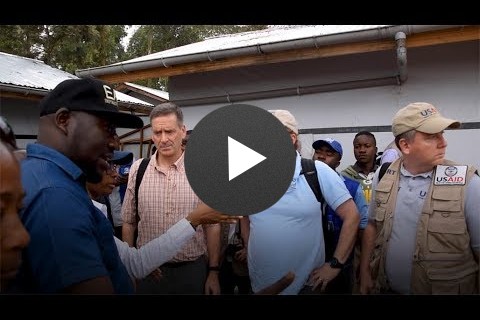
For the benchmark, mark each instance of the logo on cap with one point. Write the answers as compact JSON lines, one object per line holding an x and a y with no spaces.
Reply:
{"x":110,"y":95}
{"x":428,"y":112}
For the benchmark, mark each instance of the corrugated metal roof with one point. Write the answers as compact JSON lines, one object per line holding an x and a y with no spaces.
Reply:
{"x":25,"y":72}
{"x":34,"y":74}
{"x":159,"y":93}
{"x":253,"y":38}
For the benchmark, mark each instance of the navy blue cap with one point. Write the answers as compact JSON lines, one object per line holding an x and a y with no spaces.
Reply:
{"x":332,"y":143}
{"x":122,"y":157}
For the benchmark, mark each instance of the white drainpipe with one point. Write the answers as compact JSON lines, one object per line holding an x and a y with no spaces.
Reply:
{"x":401,"y":38}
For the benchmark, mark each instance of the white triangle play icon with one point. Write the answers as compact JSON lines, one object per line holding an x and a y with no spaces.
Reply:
{"x":241,"y":158}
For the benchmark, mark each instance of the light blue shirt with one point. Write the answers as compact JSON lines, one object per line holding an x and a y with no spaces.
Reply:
{"x":288,"y":236}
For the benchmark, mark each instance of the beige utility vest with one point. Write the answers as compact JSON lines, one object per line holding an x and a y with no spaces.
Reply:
{"x":443,"y":261}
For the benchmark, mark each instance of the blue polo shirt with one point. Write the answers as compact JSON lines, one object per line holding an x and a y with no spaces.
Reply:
{"x":71,"y":240}
{"x":288,"y":236}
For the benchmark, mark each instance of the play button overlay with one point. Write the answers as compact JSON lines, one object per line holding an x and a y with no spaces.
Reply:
{"x":240,"y":159}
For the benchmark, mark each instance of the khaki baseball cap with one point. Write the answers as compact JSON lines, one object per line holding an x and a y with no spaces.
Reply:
{"x":286,"y":118}
{"x":423,"y":117}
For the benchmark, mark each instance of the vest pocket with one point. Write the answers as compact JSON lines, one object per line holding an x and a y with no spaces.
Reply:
{"x":382,"y":196}
{"x":447,"y":199}
{"x":461,"y":280}
{"x":447,"y":235}
{"x":447,"y":206}
{"x":380,"y":214}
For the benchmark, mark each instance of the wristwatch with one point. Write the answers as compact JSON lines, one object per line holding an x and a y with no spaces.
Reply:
{"x":335,"y":264}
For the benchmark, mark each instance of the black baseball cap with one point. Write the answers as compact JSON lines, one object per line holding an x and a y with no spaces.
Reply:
{"x":88,"y":95}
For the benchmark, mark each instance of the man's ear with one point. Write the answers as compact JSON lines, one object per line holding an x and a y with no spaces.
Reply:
{"x":404,"y":146}
{"x":294,"y":137}
{"x":62,"y":119}
{"x":184,"y":131}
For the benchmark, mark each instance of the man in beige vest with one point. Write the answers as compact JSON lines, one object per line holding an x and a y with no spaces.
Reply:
{"x":423,"y":235}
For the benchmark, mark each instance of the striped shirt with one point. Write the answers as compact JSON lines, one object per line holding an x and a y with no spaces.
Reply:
{"x":164,"y":198}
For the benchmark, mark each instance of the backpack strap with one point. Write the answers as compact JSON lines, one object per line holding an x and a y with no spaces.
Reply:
{"x":141,"y":171}
{"x":383,"y":169}
{"x":310,"y":172}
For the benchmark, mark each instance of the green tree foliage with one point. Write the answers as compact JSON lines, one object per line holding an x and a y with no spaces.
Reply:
{"x":76,"y":47}
{"x":22,"y":40}
{"x":155,"y":38}
{"x":73,"y":47}
{"x":69,"y":47}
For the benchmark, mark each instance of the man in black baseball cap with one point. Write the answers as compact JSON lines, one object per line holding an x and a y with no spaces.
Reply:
{"x":88,"y":95}
{"x":76,"y":141}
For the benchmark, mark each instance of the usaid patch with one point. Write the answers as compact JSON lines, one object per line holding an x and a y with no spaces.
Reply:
{"x":450,"y":175}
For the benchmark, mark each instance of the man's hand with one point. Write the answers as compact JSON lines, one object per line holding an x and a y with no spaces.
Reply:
{"x":156,"y":274}
{"x":366,"y":282}
{"x":278,"y":286}
{"x":119,"y":180}
{"x":321,"y":276}
{"x":203,"y":214}
{"x":241,"y":255}
{"x":212,"y":285}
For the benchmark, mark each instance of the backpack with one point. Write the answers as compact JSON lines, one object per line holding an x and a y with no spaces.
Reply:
{"x":310,"y":172}
{"x":331,"y":223}
{"x":383,"y":169}
{"x":141,"y":171}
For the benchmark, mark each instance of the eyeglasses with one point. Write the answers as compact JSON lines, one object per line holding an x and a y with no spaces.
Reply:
{"x":112,"y":168}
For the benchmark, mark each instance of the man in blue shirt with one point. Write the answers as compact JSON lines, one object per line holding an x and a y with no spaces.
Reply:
{"x":72,"y":248}
{"x":288,"y":236}
{"x":330,"y":152}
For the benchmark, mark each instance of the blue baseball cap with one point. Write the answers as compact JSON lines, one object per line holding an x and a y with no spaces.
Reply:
{"x":332,"y":143}
{"x":122,"y":157}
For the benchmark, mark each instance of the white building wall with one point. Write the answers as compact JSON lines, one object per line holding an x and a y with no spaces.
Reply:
{"x":23,"y":116}
{"x":444,"y":75}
